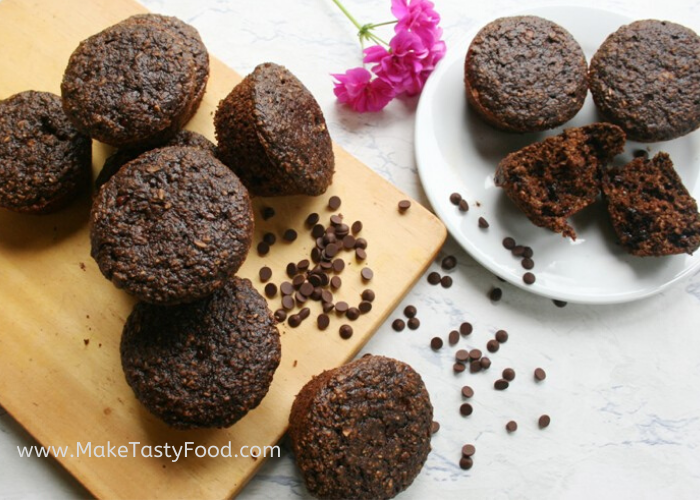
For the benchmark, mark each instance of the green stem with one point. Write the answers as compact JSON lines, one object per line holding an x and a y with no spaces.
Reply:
{"x":347,"y":14}
{"x":386,"y":23}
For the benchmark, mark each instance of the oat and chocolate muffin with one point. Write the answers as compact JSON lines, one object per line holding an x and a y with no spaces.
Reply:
{"x":645,"y":78}
{"x":171,"y":226}
{"x":137,"y":82}
{"x":361,"y":430}
{"x":204,"y":364}
{"x":44,"y":161}
{"x":553,"y":179}
{"x":525,"y":74}
{"x":271,"y":132}
{"x":651,"y":210}
{"x":123,"y":156}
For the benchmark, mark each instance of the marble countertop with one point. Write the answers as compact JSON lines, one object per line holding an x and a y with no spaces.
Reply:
{"x":623,"y":381}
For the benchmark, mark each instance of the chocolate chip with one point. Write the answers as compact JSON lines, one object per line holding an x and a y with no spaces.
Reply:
{"x":316,"y":255}
{"x":326,"y":296}
{"x":502,"y":336}
{"x":466,"y":409}
{"x":292,"y":270}
{"x":322,"y":321}
{"x":446,"y":281}
{"x":398,"y":324}
{"x":434,"y":278}
{"x":544,"y":421}
{"x":269,"y":238}
{"x":529,"y":278}
{"x":267,"y":213}
{"x":367,"y":274}
{"x":413,"y":323}
{"x":336,"y":282}
{"x":509,"y":374}
{"x":345,"y":331}
{"x":361,"y":243}
{"x":270,"y":290}
{"x":528,"y":252}
{"x":508,"y":243}
{"x":500,"y":384}
{"x":462,"y":355}
{"x":288,"y":302}
{"x":317,"y":293}
{"x":365,"y":306}
{"x":468,"y":450}
{"x":360,"y":254}
{"x":286,"y":288}
{"x":434,"y":427}
{"x":342,"y":307}
{"x":466,"y":463}
{"x":356,"y":227}
{"x":436,"y":343}
{"x":294,"y":320}
{"x":336,"y":220}
{"x":306,"y":289}
{"x":458,"y":367}
{"x":303,"y":265}
{"x":404,"y":205}
{"x":312,"y":219}
{"x":512,"y":426}
{"x":540,"y":374}
{"x":453,"y":337}
{"x":331,"y":250}
{"x":338,"y":265}
{"x":352,"y":313}
{"x":334,"y":202}
{"x":449,"y":262}
{"x":485,"y":363}
{"x":300,"y":298}
{"x":467,"y":391}
{"x":466,"y":328}
{"x":493,"y":345}
{"x":640,"y":153}
{"x":483,"y":223}
{"x":455,"y":198}
{"x":318,"y":231}
{"x":474,"y":367}
{"x":527,"y":263}
{"x":463,"y":206}
{"x":495,"y":294}
{"x":289,"y":235}
{"x":263,"y":248}
{"x":475,"y":354}
{"x":304,"y":313}
{"x":410,"y":311}
{"x":265,"y":274}
{"x":368,"y":295}
{"x":328,"y":307}
{"x":559,"y":303}
{"x":518,"y":250}
{"x":298,"y":281}
{"x":280,"y":315}
{"x":349,"y":242}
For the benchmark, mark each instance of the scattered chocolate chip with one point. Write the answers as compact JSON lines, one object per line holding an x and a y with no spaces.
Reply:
{"x":410,"y":311}
{"x":326,"y":296}
{"x":312,"y":219}
{"x":495,"y":294}
{"x":446,"y":281}
{"x":292,"y":270}
{"x":518,"y":250}
{"x":300,"y":298}
{"x":270,"y":290}
{"x":361,"y":243}
{"x":298,"y":281}
{"x":500,"y":384}
{"x":483,"y":223}
{"x":404,"y":205}
{"x":413,"y":323}
{"x":288,"y":302}
{"x":294,"y":320}
{"x":322,"y":321}
{"x":286,"y":288}
{"x":303,"y":265}
{"x":544,"y":421}
{"x":466,"y":463}
{"x":342,"y":306}
{"x":527,"y":263}
{"x":467,"y":391}
{"x":434,"y":278}
{"x":280,"y":315}
{"x":336,"y":220}
{"x":331,"y":250}
{"x":509,"y":374}
{"x":398,"y":325}
{"x":455,"y":198}
{"x":349,"y":242}
{"x":493,"y":345}
{"x":289,"y":235}
{"x":356,"y":227}
{"x":265,"y":274}
{"x":306,"y":289}
{"x":559,"y":303}
{"x":449,"y":262}
{"x":466,"y":328}
{"x":462,"y":355}
{"x":338,"y":265}
{"x":336,"y":282}
{"x":475,"y":354}
{"x":360,"y":254}
{"x":485,"y":363}
{"x":529,"y":278}
{"x":334,"y":202}
{"x":512,"y":426}
{"x":528,"y":252}
{"x":269,"y":238}
{"x":640,"y":153}
{"x":368,"y":295}
{"x":466,"y":409}
{"x":434,"y":427}
{"x":352,"y":313}
{"x":502,"y":336}
{"x":468,"y":450}
{"x":367,"y":274}
{"x":304,"y":313}
{"x":458,"y":367}
{"x":328,"y":307}
{"x":267,"y":213}
{"x":474,"y":367}
{"x":540,"y":374}
{"x":318,"y":231}
{"x":463,"y":205}
{"x":365,"y":306}
{"x":453,"y":337}
{"x":263,"y":248}
{"x":436,"y":343}
{"x":508,"y":243}
{"x":345,"y":331}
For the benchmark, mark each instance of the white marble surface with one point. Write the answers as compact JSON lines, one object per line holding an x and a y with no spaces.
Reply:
{"x":623,"y":386}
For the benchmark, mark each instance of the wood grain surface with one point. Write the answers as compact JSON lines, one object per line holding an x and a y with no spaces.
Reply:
{"x":61,"y":321}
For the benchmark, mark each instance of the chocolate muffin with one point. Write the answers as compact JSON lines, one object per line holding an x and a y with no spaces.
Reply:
{"x":525,"y":74}
{"x":123,"y":156}
{"x":651,"y":210}
{"x":553,"y":179}
{"x":272,"y":134}
{"x":361,"y":430}
{"x":645,"y":78}
{"x":137,"y":82}
{"x":204,"y":364}
{"x":171,"y":226}
{"x":44,"y":161}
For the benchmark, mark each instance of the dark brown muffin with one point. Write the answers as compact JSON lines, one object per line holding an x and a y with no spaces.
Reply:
{"x":171,"y":226}
{"x":44,"y":161}
{"x":525,"y":74}
{"x":136,"y":83}
{"x":271,"y":132}
{"x":361,"y":430}
{"x":645,"y":78}
{"x":553,"y":179}
{"x":204,"y":364}
{"x":123,"y":156}
{"x":650,"y":208}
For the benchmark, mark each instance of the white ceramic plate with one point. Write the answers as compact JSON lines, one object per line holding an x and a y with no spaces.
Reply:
{"x":457,"y":152}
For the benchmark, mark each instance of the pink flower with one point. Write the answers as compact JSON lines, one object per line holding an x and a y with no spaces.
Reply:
{"x":357,"y":89}
{"x":417,"y":17}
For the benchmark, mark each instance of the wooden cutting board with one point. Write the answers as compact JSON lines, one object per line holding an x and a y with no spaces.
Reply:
{"x":61,"y":321}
